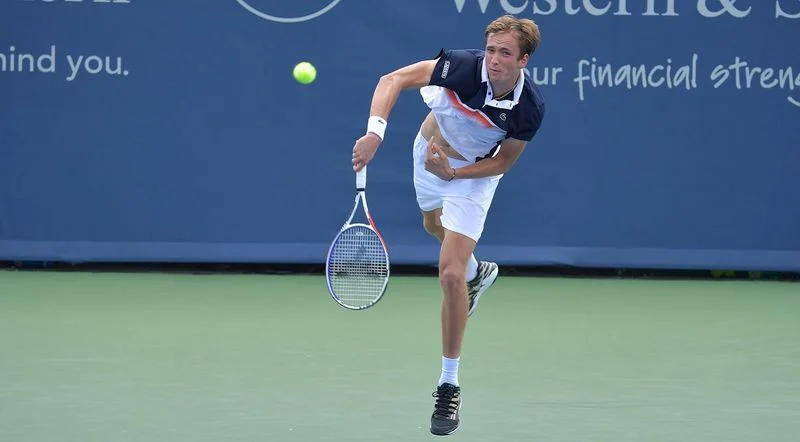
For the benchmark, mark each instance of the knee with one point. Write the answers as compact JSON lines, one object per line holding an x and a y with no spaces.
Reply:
{"x":452,"y":277}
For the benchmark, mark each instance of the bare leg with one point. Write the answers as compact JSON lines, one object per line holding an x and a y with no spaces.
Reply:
{"x":454,"y":254}
{"x":456,"y":251}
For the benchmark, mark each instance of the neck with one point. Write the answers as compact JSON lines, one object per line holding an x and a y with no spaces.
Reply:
{"x":505,"y":88}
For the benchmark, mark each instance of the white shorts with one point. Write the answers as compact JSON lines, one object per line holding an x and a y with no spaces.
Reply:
{"x":464,"y":202}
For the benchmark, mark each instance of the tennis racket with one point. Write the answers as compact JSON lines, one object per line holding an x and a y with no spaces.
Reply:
{"x":357,"y":266}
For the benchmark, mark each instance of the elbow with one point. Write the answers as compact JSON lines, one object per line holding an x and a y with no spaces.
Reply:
{"x":389,"y":81}
{"x":504,"y":165}
{"x":396,"y":81}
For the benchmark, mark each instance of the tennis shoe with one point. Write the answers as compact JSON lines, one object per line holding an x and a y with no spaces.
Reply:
{"x":445,"y":419}
{"x":487,"y":274}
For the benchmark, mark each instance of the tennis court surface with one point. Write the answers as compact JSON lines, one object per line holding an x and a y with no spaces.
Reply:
{"x":180,"y":357}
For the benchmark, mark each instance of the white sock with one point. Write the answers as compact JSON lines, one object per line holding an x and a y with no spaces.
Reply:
{"x":472,"y":268}
{"x":449,"y":371}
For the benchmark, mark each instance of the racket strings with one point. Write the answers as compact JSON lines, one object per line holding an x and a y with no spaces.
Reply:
{"x":358,"y":267}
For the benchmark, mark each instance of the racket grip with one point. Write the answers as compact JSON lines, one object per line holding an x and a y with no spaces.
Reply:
{"x":361,"y":179}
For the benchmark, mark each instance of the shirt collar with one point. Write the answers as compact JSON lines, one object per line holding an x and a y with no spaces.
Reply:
{"x":503,"y":104}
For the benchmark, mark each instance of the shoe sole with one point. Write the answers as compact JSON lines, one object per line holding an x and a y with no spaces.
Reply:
{"x":491,"y":278}
{"x":446,"y":434}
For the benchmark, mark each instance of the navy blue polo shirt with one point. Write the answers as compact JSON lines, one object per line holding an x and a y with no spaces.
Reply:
{"x":470,"y":119}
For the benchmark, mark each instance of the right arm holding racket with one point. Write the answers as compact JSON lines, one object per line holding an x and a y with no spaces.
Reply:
{"x":357,"y":266}
{"x":386,"y":93}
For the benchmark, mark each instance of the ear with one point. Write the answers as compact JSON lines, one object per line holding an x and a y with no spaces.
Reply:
{"x":523,"y":61}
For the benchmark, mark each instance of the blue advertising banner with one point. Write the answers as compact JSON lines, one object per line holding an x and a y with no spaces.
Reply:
{"x":134,"y":130}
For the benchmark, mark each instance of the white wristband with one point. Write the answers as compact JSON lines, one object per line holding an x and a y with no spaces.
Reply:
{"x":377,"y":125}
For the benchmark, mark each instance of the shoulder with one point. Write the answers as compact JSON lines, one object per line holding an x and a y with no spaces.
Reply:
{"x":467,"y":56}
{"x":528,"y":113}
{"x":458,"y":69}
{"x":532,"y":96}
{"x":531,"y":101}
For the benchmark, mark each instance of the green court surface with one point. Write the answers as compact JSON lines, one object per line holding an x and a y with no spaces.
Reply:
{"x":117,"y":357}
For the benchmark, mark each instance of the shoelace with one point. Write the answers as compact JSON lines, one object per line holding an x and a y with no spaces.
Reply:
{"x":446,"y":402}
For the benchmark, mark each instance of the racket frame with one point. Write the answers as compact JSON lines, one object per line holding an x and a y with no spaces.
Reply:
{"x":361,"y":196}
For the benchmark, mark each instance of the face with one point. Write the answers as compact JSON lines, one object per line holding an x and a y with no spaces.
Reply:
{"x":503,"y":60}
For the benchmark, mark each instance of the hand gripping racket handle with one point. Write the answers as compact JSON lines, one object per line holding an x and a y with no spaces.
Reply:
{"x":361,"y":179}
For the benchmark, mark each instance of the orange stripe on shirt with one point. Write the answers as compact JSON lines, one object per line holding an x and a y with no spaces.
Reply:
{"x":466,"y":111}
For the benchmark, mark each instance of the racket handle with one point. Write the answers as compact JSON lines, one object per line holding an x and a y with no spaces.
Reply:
{"x":361,"y":179}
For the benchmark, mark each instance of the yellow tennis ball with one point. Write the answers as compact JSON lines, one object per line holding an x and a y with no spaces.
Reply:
{"x":305,"y":72}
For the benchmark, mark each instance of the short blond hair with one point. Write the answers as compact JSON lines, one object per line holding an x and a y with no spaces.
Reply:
{"x":527,"y":31}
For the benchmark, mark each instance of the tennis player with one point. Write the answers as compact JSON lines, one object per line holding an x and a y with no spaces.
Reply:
{"x":484,"y":109}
